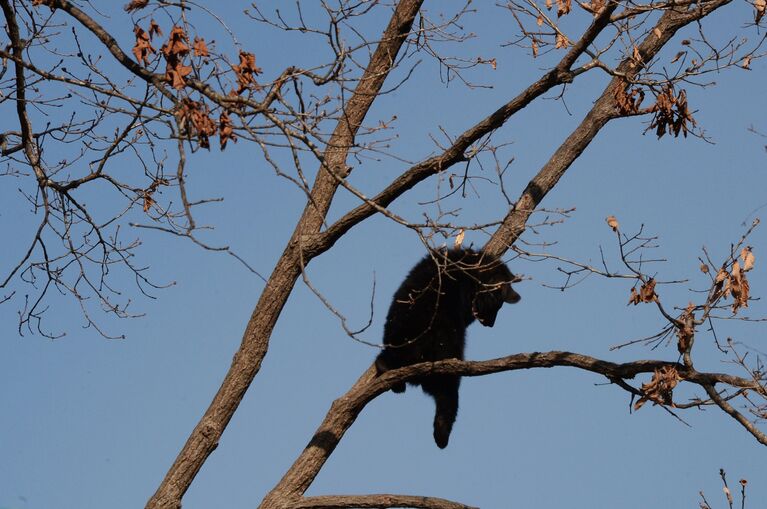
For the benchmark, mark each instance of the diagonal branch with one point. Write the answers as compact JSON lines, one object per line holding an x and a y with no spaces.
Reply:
{"x":344,"y":410}
{"x":158,"y":80}
{"x":604,"y":110}
{"x":113,"y":46}
{"x":730,"y":410}
{"x":255,"y":342}
{"x":559,"y":75}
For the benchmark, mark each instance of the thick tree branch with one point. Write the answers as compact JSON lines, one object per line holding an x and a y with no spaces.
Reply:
{"x":344,"y":411}
{"x":380,"y":501}
{"x":247,"y":361}
{"x":559,"y":75}
{"x":157,"y":80}
{"x":604,"y":110}
{"x":27,"y":141}
{"x":730,"y":410}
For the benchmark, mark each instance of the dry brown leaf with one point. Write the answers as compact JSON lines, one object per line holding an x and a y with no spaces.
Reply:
{"x":149,"y":191}
{"x":174,"y":52}
{"x":246,"y":71}
{"x":535,"y":48}
{"x":175,"y":75}
{"x":143,"y":48}
{"x":742,"y":295}
{"x":704,"y":268}
{"x":539,"y":21}
{"x":647,"y":291}
{"x":612,"y":222}
{"x":194,"y":119}
{"x":746,"y":63}
{"x":459,"y":238}
{"x":737,"y":285}
{"x":634,"y":297}
{"x":736,"y":271}
{"x":678,"y":56}
{"x":148,"y":202}
{"x":225,"y":130}
{"x":722,"y":278}
{"x":660,"y":389}
{"x":154,"y":29}
{"x":177,"y":44}
{"x":561,"y":42}
{"x":748,"y":258}
{"x":133,"y":5}
{"x":760,"y":6}
{"x":200,"y":48}
{"x":548,"y":4}
{"x":563,"y":7}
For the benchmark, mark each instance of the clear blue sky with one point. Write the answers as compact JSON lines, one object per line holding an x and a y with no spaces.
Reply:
{"x":88,"y":422}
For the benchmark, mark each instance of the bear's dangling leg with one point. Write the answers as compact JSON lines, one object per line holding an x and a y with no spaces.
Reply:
{"x":444,"y":389}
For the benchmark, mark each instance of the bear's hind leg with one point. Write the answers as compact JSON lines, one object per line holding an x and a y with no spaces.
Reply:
{"x":444,"y":389}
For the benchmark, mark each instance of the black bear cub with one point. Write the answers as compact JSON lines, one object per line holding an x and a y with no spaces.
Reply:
{"x":428,"y":317}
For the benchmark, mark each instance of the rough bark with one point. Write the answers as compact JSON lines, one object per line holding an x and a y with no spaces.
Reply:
{"x":344,"y":410}
{"x":247,"y":361}
{"x":603,"y":111}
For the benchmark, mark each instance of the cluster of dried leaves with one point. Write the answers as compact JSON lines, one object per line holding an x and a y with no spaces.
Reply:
{"x":671,"y":113}
{"x":148,"y":192}
{"x":646,"y":293}
{"x":246,"y":72}
{"x":660,"y":389}
{"x":174,"y":51}
{"x":194,"y":117}
{"x":563,"y":6}
{"x":734,"y":282}
{"x":143,"y":47}
{"x":629,"y":101}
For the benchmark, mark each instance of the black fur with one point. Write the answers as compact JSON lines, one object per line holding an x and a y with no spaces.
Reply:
{"x":428,"y":317}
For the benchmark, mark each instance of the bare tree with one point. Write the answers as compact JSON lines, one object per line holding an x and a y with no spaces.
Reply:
{"x":152,"y":102}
